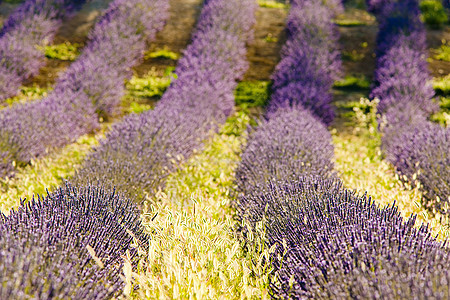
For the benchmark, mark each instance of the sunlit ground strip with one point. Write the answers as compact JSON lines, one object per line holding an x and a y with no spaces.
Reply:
{"x":193,"y":252}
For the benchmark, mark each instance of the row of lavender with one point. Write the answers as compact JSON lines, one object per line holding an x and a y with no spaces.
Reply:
{"x":327,"y":242}
{"x":139,"y":152}
{"x":78,"y":235}
{"x":418,"y":148}
{"x":33,"y":23}
{"x":91,"y":87}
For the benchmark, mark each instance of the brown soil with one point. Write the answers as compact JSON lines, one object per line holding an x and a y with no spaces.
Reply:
{"x":358,"y":41}
{"x":264,"y":52}
{"x":438,"y":68}
{"x":74,"y":30}
{"x":175,"y":36}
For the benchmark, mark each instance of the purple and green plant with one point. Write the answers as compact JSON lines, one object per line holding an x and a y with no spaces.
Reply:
{"x":416,"y":147}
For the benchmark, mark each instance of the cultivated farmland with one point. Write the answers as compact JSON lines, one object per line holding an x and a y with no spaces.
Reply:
{"x":224,"y":149}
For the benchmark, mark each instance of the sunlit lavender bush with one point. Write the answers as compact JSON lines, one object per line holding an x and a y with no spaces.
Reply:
{"x":403,"y":78}
{"x":288,"y":145}
{"x":416,"y":147}
{"x":139,"y":152}
{"x":422,"y":155}
{"x":33,"y":23}
{"x":90,"y":88}
{"x":310,"y":61}
{"x":293,"y":140}
{"x":68,"y":245}
{"x":333,"y":244}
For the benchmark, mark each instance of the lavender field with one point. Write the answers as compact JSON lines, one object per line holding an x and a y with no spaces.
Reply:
{"x":224,"y":149}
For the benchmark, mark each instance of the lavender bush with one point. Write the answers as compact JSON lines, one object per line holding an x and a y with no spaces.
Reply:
{"x":310,"y":61}
{"x":139,"y":152}
{"x":293,"y":140}
{"x":422,"y":155}
{"x":34,"y":23}
{"x":290,"y":144}
{"x":68,"y":245}
{"x":333,"y":244}
{"x":403,"y":78}
{"x":416,"y":147}
{"x":89,"y":89}
{"x":327,"y":241}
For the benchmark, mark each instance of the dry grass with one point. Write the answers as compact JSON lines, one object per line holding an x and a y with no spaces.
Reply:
{"x":194,"y":252}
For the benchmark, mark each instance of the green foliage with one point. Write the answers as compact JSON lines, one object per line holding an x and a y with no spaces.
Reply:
{"x":433,"y":13}
{"x":28,"y":93}
{"x":353,"y":55}
{"x":353,"y":82}
{"x":443,"y":53}
{"x":443,"y":116}
{"x":137,"y":108}
{"x":272,"y":4}
{"x":148,"y":86}
{"x":162,"y":53}
{"x":362,"y":116}
{"x":252,"y":94}
{"x":142,"y":92}
{"x":349,"y":22}
{"x":269,"y":38}
{"x":65,"y":51}
{"x":442,"y":85}
{"x":358,"y":4}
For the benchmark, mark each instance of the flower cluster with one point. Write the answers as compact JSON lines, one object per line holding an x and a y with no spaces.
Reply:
{"x":325,"y":241}
{"x":292,"y":139}
{"x":288,"y":145}
{"x":69,"y":244}
{"x":91,"y":87}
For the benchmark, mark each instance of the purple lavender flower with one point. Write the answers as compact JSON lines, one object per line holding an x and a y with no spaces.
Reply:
{"x":421,"y":153}
{"x":416,"y":147}
{"x":291,"y":143}
{"x":332,"y":243}
{"x":402,"y":77}
{"x":68,"y":245}
{"x":310,"y":61}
